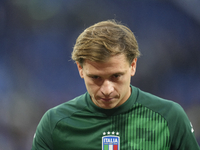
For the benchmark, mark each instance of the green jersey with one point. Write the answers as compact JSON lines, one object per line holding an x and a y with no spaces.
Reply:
{"x":143,"y":122}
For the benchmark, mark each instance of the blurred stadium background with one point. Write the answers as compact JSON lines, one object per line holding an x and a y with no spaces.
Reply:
{"x":37,"y":37}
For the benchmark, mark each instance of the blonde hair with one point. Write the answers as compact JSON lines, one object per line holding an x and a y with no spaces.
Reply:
{"x":105,"y":39}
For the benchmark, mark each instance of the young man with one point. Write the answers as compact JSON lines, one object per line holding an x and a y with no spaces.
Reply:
{"x":112,"y":114}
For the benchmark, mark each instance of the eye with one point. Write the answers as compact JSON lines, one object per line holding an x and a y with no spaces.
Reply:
{"x":95,"y":77}
{"x":116,"y":75}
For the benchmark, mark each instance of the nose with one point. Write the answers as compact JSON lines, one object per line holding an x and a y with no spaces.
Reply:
{"x":107,"y":88}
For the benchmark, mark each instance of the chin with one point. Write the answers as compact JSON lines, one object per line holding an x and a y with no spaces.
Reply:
{"x":107,"y":106}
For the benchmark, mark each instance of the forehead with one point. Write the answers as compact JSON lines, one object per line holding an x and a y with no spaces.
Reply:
{"x":114,"y":64}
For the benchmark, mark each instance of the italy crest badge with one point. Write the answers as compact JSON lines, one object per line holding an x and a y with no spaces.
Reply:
{"x":111,"y":141}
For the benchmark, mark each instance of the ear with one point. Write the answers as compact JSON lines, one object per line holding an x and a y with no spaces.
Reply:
{"x":80,"y":69}
{"x":133,"y":66}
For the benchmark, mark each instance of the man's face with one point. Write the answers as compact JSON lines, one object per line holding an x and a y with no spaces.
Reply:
{"x":108,"y":83}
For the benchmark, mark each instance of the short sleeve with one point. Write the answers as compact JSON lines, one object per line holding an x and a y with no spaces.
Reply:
{"x":43,"y":136}
{"x":182,"y":132}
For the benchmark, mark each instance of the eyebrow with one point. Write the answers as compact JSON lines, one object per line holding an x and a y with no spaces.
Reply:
{"x":118,"y":73}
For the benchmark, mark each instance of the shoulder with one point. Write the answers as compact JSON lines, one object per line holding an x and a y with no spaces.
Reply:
{"x":66,"y":109}
{"x":157,"y":104}
{"x":171,"y":111}
{"x":181,"y":133}
{"x":45,"y":128}
{"x":179,"y":125}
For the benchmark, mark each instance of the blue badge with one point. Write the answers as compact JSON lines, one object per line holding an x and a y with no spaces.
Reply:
{"x":111,"y":141}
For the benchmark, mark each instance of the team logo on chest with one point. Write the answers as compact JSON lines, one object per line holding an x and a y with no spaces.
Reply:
{"x":111,"y":141}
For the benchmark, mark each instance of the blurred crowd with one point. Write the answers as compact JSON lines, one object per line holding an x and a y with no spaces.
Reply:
{"x":37,"y":73}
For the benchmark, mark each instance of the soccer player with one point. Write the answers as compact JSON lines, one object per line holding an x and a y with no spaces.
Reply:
{"x":112,"y":114}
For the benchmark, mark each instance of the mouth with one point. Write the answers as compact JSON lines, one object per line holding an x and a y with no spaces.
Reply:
{"x":106,"y":99}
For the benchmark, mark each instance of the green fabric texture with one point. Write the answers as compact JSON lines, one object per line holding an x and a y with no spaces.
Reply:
{"x":144,"y":122}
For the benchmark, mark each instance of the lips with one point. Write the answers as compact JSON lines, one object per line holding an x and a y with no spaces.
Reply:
{"x":106,"y":99}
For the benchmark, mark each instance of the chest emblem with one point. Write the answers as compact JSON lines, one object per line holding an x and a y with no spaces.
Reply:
{"x":110,"y":141}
